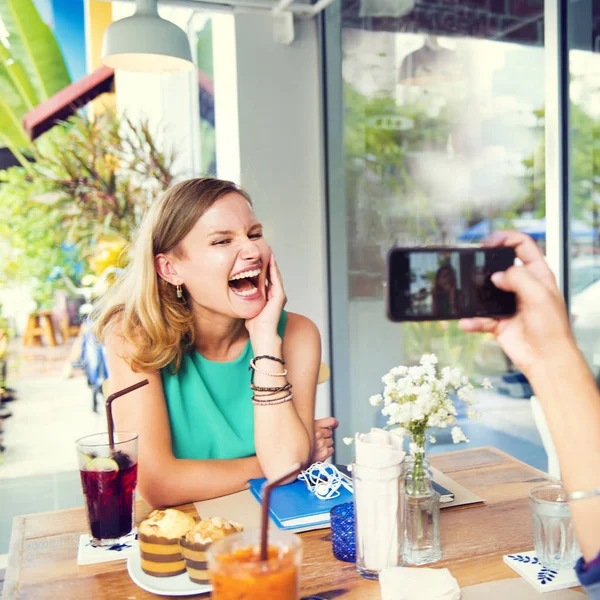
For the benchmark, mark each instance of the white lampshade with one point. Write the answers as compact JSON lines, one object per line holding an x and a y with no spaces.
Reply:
{"x":146,"y":42}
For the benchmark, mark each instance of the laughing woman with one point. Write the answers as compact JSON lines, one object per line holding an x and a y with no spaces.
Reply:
{"x":232,"y":376}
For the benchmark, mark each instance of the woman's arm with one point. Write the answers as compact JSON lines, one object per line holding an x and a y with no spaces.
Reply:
{"x":283,"y":433}
{"x":569,"y":396}
{"x":539,"y":341}
{"x":164,"y":480}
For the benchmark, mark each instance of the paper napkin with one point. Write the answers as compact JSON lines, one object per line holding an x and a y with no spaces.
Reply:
{"x":89,"y":555}
{"x":528,"y":566}
{"x":378,"y":448}
{"x":404,"y":583}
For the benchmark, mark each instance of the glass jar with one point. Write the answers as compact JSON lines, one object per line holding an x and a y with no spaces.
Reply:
{"x":378,"y":514}
{"x":421,"y":513}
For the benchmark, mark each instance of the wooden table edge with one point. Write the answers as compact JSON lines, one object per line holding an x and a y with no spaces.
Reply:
{"x":15,"y":550}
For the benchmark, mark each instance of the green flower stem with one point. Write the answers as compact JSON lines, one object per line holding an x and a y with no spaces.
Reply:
{"x":419,"y":485}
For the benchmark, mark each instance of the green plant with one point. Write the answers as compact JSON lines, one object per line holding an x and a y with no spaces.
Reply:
{"x":453,"y":347}
{"x":92,"y":181}
{"x":32,"y":69}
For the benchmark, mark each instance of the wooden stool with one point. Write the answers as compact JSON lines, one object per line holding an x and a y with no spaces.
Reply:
{"x":67,"y":330}
{"x":39,"y":324}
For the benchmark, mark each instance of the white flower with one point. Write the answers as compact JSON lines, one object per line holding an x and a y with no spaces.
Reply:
{"x":464,"y":392}
{"x":429,"y":359}
{"x":414,"y":448}
{"x":473,"y":414}
{"x":376,"y":400}
{"x":398,"y":431}
{"x":347,"y":440}
{"x":458,"y":435}
{"x":486,"y":384}
{"x":388,"y":379}
{"x":398,"y":371}
{"x":432,"y":439}
{"x":416,"y":373}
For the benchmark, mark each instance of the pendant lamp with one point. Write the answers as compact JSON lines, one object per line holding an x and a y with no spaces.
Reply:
{"x":146,"y":42}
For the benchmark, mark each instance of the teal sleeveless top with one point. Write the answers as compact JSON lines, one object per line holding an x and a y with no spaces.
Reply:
{"x":211,"y":414}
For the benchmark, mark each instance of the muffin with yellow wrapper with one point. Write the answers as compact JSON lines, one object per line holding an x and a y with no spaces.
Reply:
{"x":197,"y":540}
{"x":159,"y":536}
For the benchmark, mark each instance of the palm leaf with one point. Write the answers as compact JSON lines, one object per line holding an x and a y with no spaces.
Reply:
{"x":18,"y":78}
{"x":12,"y":133}
{"x":33,"y":44}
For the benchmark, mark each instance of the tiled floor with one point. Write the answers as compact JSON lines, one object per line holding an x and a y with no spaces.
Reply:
{"x":39,"y":468}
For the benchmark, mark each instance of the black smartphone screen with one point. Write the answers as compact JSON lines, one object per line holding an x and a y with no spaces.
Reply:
{"x":431,"y":284}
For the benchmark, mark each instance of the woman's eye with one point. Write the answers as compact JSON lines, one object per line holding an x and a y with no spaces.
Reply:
{"x":255,"y":235}
{"x":220,"y":243}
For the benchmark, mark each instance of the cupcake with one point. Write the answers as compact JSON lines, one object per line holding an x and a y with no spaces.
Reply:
{"x":197,"y":540}
{"x":159,"y":535}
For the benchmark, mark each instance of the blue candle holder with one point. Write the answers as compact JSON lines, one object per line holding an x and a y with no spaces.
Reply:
{"x":342,"y":532}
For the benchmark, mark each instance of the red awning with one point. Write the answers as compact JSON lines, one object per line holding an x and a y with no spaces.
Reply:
{"x":64,"y":103}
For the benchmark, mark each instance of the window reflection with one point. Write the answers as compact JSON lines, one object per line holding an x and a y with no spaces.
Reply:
{"x":443,"y":143}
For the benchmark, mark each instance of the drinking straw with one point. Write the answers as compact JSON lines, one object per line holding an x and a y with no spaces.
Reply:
{"x":266,"y":499}
{"x":109,"y":417}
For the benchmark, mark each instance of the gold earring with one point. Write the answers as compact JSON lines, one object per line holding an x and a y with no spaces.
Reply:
{"x":179,"y":292}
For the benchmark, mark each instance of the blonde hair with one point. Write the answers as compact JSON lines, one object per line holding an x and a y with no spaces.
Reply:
{"x":156,"y":326}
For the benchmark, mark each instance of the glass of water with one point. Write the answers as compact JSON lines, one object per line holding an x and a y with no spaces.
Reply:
{"x":553,"y":534}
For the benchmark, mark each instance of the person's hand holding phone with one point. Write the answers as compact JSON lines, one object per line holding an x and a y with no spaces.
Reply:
{"x":540,"y":328}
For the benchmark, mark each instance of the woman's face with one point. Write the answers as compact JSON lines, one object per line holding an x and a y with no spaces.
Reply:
{"x":224,"y":259}
{"x":446,"y":279}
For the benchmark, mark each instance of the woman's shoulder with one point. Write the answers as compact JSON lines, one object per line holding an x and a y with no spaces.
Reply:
{"x":299,"y":326}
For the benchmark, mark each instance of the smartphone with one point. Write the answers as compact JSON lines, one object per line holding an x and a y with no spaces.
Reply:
{"x":443,"y":283}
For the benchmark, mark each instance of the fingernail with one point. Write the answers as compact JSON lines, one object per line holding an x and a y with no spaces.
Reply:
{"x":498,"y":277}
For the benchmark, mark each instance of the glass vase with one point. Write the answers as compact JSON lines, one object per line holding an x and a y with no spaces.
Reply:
{"x":421,"y":513}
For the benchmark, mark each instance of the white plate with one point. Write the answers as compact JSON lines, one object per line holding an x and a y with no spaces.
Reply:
{"x":179,"y":585}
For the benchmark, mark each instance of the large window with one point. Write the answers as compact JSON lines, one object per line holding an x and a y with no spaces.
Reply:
{"x":442,"y":142}
{"x":584,"y":168}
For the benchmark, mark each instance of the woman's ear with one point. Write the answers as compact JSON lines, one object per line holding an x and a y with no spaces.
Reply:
{"x":166,"y":269}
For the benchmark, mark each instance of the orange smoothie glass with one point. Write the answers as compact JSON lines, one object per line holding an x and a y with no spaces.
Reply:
{"x":237,"y":573}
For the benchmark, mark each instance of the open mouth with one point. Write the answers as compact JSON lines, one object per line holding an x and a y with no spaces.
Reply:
{"x":245,"y":283}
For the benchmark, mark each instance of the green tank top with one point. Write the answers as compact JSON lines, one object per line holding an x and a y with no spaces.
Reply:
{"x":211,"y":414}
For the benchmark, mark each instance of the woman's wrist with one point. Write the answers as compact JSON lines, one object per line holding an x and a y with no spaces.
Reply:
{"x":267,"y":344}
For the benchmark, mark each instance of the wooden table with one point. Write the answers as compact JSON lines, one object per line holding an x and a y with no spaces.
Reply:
{"x":42,"y":559}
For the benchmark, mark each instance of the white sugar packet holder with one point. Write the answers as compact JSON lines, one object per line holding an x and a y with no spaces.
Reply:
{"x":379,"y":455}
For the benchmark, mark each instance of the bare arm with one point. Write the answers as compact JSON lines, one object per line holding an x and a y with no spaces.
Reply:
{"x":571,"y":403}
{"x":164,"y":480}
{"x":283,"y":433}
{"x":539,"y":341}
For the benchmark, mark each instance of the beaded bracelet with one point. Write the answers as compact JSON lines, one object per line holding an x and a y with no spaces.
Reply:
{"x":273,"y":390}
{"x":580,"y":495}
{"x":268,"y":395}
{"x":269,"y":357}
{"x":257,"y":370}
{"x":258,"y":402}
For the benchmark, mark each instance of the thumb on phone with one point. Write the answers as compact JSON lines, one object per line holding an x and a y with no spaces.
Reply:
{"x":525,"y":285}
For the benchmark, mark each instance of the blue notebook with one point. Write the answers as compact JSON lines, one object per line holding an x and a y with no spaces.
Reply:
{"x":294,"y":505}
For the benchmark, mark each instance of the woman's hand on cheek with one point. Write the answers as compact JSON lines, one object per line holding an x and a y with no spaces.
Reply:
{"x":263,"y":327}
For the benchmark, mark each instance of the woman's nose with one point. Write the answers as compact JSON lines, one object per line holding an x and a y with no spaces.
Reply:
{"x":250,"y":249}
